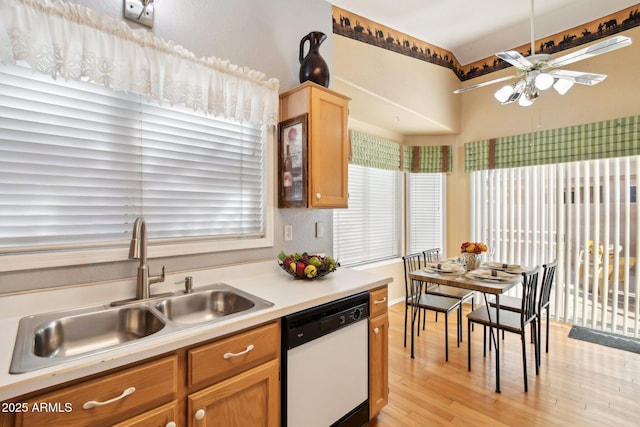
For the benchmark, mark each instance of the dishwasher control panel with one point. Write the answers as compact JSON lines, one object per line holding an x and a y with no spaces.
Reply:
{"x":307,"y":325}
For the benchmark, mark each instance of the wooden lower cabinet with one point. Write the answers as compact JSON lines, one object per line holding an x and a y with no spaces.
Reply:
{"x":251,"y":398}
{"x":378,"y":351}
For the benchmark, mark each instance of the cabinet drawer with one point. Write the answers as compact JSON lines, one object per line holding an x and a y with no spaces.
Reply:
{"x":222,"y":359}
{"x":378,"y":301}
{"x":154,"y":383}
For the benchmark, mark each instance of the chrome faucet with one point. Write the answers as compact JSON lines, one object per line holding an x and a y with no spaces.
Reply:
{"x":138,"y":250}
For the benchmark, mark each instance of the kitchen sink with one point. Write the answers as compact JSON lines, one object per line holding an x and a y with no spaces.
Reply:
{"x":51,"y":338}
{"x":207,"y":305}
{"x":72,"y":335}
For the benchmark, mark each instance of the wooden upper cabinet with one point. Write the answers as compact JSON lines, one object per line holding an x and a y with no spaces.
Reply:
{"x":327,"y":139}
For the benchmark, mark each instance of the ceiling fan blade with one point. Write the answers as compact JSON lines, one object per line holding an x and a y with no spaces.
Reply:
{"x":515,"y":58}
{"x":589,"y":79}
{"x":604,"y":46}
{"x":490,"y":82}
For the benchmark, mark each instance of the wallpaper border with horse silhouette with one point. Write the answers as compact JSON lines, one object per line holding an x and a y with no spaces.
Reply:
{"x":370,"y":32}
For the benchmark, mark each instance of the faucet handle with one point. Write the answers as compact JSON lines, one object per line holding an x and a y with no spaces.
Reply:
{"x":156,"y":279}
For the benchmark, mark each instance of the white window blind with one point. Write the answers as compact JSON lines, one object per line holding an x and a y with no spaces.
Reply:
{"x":78,"y":164}
{"x":425,"y":212}
{"x":369,"y":230}
{"x":584,"y":214}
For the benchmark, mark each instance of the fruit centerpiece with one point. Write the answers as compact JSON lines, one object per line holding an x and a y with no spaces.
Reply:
{"x":305,"y":266}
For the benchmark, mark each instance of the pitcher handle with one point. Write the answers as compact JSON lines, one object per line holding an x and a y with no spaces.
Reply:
{"x":304,"y":39}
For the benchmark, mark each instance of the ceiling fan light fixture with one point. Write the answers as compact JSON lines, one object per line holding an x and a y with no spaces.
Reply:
{"x":562,"y":86}
{"x":543,"y":81}
{"x":528,"y":97}
{"x":503,"y":94}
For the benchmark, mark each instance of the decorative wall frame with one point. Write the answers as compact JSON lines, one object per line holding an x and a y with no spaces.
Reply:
{"x":292,"y":162}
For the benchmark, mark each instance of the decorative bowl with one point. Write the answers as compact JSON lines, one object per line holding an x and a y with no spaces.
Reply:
{"x":306,"y":266}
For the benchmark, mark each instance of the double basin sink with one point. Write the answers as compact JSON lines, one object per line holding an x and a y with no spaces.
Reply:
{"x":52,"y":338}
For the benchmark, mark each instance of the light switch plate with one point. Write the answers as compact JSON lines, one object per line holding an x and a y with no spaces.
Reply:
{"x":288,"y":232}
{"x":320,"y":232}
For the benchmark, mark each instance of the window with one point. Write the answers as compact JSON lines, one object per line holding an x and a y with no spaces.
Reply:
{"x":78,"y":164}
{"x":369,"y":230}
{"x":425,"y":212}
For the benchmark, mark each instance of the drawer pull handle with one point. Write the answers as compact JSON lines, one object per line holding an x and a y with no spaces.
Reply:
{"x":230,"y":355}
{"x":376,"y":330}
{"x":380,"y":301}
{"x":93,"y":403}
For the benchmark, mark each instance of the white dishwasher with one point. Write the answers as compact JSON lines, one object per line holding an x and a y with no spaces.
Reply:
{"x":325,"y":365}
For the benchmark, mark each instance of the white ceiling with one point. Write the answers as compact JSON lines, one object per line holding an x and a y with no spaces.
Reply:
{"x":473,"y":29}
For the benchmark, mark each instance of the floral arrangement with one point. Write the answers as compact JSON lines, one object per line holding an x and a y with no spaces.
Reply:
{"x":473,"y":247}
{"x":305,"y":266}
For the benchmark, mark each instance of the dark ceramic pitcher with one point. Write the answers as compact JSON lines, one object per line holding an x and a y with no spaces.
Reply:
{"x":312,"y":66}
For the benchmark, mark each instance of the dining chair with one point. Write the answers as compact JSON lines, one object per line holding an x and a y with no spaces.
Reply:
{"x":433,"y":255}
{"x":542,"y":304}
{"x":511,"y":321}
{"x":418,"y":301}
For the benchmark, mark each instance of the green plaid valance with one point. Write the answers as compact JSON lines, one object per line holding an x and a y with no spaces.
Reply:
{"x":428,"y":159}
{"x":601,"y":140}
{"x":374,"y":152}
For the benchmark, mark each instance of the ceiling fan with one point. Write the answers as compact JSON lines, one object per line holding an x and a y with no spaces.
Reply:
{"x":540,"y":71}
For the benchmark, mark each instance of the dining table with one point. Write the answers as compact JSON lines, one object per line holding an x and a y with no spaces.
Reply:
{"x":467,"y":280}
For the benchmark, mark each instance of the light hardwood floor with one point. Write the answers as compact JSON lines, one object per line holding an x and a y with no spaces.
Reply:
{"x":580,"y":384}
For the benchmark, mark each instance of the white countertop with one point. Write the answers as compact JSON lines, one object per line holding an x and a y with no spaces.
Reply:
{"x":262,"y":279}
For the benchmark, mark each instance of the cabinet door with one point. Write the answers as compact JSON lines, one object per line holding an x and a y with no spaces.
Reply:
{"x":164,"y":416}
{"x":328,"y":151}
{"x":251,"y":398}
{"x":378,"y":363}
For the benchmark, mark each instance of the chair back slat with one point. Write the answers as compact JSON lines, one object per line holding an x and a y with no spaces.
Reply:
{"x":431,"y":255}
{"x":549,"y":272}
{"x":529,"y":292}
{"x":412,"y":262}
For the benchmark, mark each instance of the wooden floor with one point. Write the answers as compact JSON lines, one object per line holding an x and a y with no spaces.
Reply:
{"x":580,"y":384}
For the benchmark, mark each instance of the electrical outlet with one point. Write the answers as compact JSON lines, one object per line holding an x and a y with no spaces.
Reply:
{"x":319,"y":230}
{"x":288,"y":232}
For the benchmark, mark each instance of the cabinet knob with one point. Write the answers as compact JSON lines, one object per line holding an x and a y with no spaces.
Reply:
{"x":376,"y":330}
{"x":318,"y":196}
{"x":199,"y":414}
{"x":171,"y":424}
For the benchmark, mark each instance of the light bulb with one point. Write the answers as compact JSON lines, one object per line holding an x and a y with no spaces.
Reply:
{"x":528,"y":97}
{"x":562,"y":86}
{"x":503,"y":94}
{"x":543,"y":81}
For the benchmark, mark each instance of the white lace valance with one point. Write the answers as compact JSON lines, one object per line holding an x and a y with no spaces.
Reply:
{"x":77,"y":43}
